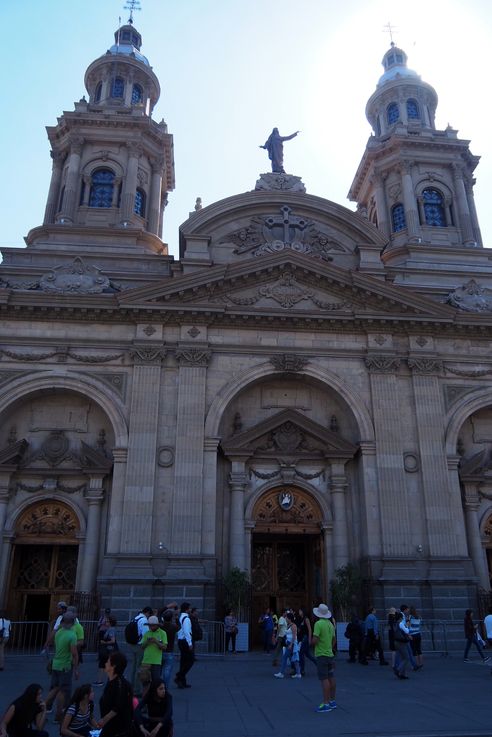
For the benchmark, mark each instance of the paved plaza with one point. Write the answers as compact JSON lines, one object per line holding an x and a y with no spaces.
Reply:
{"x":237,"y":696}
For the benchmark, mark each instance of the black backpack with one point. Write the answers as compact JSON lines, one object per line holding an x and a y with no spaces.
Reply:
{"x":131,"y":632}
{"x":196,"y":630}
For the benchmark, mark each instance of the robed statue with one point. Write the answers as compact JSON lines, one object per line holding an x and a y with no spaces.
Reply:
{"x":275,"y":147}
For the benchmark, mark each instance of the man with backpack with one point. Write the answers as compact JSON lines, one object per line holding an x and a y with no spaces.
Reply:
{"x":134,"y":631}
{"x":185,"y":645}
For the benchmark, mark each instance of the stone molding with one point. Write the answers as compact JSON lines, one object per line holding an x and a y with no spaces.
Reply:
{"x":276,"y":181}
{"x":62,"y":354}
{"x":382,"y":364}
{"x":193,"y":357}
{"x":471,"y":373}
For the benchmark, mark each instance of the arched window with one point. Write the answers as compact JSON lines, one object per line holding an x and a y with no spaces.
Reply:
{"x":136,"y":94}
{"x":101,"y":194}
{"x":398,"y":220}
{"x":392,"y":113}
{"x":97,"y":94}
{"x":434,"y":208}
{"x":140,"y":203}
{"x":413,"y":110}
{"x":118,"y":87}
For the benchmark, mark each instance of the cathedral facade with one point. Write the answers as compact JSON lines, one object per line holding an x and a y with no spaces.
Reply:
{"x":304,"y":388}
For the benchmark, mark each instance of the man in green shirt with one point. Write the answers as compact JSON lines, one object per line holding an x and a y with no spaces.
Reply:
{"x":154,"y":642}
{"x":65,"y":660}
{"x":323,"y":639}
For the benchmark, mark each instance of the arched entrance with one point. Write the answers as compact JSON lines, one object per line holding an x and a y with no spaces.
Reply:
{"x":44,"y":560}
{"x":287,"y":550}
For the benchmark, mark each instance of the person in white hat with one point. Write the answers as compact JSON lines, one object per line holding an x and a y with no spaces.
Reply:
{"x":154,"y":642}
{"x":323,"y":639}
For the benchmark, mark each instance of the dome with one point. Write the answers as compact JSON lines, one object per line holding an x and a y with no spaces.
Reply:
{"x":395,"y":66}
{"x":127,"y":41}
{"x":129,"y":50}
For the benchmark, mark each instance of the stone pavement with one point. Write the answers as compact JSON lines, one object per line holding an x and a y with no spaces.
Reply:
{"x":237,"y":696}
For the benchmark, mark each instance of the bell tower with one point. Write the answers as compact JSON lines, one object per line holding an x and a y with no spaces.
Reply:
{"x":113,"y":165}
{"x":415,"y":182}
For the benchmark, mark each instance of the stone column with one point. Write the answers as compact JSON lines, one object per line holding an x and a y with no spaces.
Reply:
{"x":394,"y":513}
{"x":94,"y":496}
{"x":471,"y":501}
{"x":237,"y":483}
{"x":442,"y":511}
{"x":154,"y":210}
{"x":186,"y":528}
{"x":409,"y":200}
{"x":469,"y":182}
{"x":53,"y":200}
{"x":209,"y":495}
{"x":116,"y":502}
{"x":463,"y":209}
{"x":141,"y":469}
{"x":87,"y":191}
{"x":329,"y":572}
{"x":4,"y":541}
{"x":338,"y":489}
{"x":72,"y":181}
{"x":249,"y":526}
{"x":130,"y":182}
{"x":371,"y":539}
{"x":381,"y":206}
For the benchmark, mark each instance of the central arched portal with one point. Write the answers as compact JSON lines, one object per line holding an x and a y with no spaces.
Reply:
{"x":286,"y":550}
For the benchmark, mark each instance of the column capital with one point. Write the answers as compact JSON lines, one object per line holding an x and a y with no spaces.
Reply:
{"x":148,"y":354}
{"x":157,"y":163}
{"x":238,"y":480}
{"x":76,"y":143}
{"x":382,"y":364}
{"x":425,"y":365}
{"x":134,"y":149}
{"x":193,"y":356}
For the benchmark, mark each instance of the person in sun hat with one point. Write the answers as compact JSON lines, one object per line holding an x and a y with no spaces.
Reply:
{"x":323,"y":640}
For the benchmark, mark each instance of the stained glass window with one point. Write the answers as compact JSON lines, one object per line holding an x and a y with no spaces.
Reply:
{"x":392,"y":113}
{"x":118,"y":87}
{"x":136,"y":94}
{"x":101,"y":194}
{"x":140,"y":203}
{"x":413,"y":110}
{"x":398,"y":218}
{"x":434,"y":208}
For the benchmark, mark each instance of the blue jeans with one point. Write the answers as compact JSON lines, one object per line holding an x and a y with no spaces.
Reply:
{"x":167,"y":667}
{"x":286,"y":657}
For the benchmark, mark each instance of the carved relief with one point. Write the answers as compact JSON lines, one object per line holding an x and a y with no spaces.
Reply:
{"x":289,"y":362}
{"x":264,"y":236}
{"x":148,"y":354}
{"x":115,"y":381}
{"x":471,"y":297}
{"x":470,"y":372}
{"x":302,"y":511}
{"x":382,"y":364}
{"x":165,"y":456}
{"x":283,"y":182}
{"x":61,"y":355}
{"x":76,"y":278}
{"x":454,"y":392}
{"x":48,"y":519}
{"x":288,"y":439}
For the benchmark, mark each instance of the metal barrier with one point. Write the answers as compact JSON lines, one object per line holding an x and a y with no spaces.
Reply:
{"x":435,"y":636}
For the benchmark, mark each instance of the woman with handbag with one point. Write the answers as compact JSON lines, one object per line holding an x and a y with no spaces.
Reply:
{"x":230,"y":627}
{"x":291,"y":649}
{"x":471,"y":636}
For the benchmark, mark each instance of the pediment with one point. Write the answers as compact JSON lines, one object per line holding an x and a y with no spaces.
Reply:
{"x":285,"y":283}
{"x":288,"y":434}
{"x":12,"y":455}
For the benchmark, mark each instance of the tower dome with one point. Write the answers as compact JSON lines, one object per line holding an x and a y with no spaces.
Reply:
{"x":123,"y":77}
{"x":401,"y":98}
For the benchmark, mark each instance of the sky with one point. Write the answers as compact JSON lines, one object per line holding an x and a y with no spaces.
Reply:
{"x":232,"y":70}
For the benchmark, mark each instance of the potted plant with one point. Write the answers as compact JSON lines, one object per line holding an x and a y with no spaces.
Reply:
{"x":346,"y":589}
{"x":237,"y":586}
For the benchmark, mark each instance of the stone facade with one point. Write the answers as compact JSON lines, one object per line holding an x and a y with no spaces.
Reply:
{"x":304,"y":388}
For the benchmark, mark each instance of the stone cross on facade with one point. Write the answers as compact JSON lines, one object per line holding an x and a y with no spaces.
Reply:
{"x":288,"y":223}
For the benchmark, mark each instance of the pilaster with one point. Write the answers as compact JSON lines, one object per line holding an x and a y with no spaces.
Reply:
{"x":72,"y":180}
{"x":471,"y":503}
{"x":94,"y":497}
{"x":237,"y":484}
{"x":117,"y":499}
{"x":155,"y":194}
{"x":338,"y":493}
{"x":54,"y":190}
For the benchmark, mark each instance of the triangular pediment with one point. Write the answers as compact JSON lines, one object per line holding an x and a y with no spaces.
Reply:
{"x":12,"y":455}
{"x":288,"y":433}
{"x":283,"y":284}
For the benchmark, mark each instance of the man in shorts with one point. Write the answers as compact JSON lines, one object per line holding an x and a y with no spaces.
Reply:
{"x":323,"y":639}
{"x":65,"y":663}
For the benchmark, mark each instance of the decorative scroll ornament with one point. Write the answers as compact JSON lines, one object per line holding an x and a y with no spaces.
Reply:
{"x":471,"y":297}
{"x":51,"y":485}
{"x":382,"y":364}
{"x":50,"y":519}
{"x":76,"y":278}
{"x":289,"y":362}
{"x":284,"y":232}
{"x":425,"y":365}
{"x":193,"y":357}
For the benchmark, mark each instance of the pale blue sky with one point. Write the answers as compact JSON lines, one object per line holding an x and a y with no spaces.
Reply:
{"x":229,"y":72}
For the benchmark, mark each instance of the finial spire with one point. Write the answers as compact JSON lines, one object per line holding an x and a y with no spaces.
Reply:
{"x":388,"y":28}
{"x":132,"y":5}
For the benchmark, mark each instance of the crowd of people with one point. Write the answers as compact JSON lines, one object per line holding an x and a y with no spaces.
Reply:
{"x":142,"y":704}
